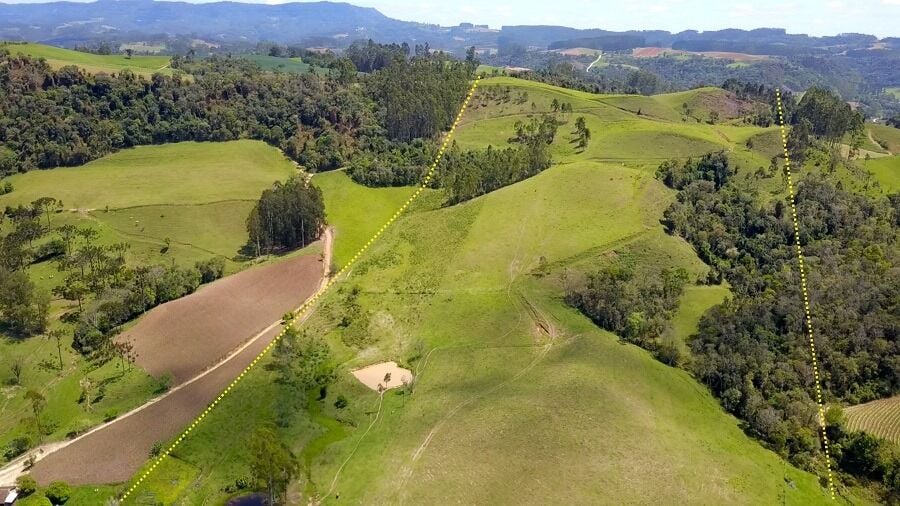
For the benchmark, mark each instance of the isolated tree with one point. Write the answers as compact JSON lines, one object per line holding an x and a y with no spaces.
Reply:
{"x":87,"y":392}
{"x":46,"y":205}
{"x":16,"y":370}
{"x":38,"y":403}
{"x":471,"y":59}
{"x":26,"y":485}
{"x":128,"y":53}
{"x":579,"y":124}
{"x":57,"y":335}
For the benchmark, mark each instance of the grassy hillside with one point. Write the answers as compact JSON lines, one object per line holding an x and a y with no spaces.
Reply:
{"x":518,"y":397}
{"x":887,"y":136}
{"x":886,"y":171}
{"x":198,"y":195}
{"x":360,"y":221}
{"x":93,"y":63}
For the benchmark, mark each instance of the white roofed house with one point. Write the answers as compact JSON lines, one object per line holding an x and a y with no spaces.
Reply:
{"x":9,"y":496}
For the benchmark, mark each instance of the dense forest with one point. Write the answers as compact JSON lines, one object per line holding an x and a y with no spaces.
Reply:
{"x":65,"y":117}
{"x":751,"y":351}
{"x":635,"y":306}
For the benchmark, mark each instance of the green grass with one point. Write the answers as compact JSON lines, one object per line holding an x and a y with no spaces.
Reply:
{"x":895,"y":91}
{"x":886,"y":171}
{"x":218,"y":228}
{"x":356,"y":212}
{"x":502,"y":412}
{"x":198,"y":195}
{"x":887,"y":135}
{"x":61,"y":388}
{"x":694,"y":302}
{"x":94,"y":63}
{"x":182,"y":173}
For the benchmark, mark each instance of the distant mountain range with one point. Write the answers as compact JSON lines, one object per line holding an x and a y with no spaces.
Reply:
{"x":338,"y":24}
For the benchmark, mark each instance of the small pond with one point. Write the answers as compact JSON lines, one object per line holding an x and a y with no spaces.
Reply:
{"x":248,"y":500}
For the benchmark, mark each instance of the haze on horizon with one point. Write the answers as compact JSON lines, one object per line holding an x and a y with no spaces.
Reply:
{"x":831,"y":17}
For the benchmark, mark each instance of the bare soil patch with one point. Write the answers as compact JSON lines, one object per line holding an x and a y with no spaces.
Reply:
{"x":650,"y":52}
{"x":190,"y":334}
{"x":734,"y":56}
{"x":578,"y":51}
{"x":376,"y":376}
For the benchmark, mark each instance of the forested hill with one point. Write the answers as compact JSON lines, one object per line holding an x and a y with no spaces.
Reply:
{"x":290,"y":22}
{"x":51,"y":118}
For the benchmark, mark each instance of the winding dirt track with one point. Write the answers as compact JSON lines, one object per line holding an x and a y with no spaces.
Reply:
{"x":113,"y":452}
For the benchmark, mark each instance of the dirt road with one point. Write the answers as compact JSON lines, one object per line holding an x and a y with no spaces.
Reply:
{"x":114,"y":451}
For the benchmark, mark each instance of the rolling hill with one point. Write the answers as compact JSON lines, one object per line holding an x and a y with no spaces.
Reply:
{"x":93,"y":63}
{"x":510,"y":381}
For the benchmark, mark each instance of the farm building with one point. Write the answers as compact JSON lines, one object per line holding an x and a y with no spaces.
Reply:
{"x":10,"y":495}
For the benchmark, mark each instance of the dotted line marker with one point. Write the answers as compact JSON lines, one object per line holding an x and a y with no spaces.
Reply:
{"x":297,"y":315}
{"x":803,"y":287}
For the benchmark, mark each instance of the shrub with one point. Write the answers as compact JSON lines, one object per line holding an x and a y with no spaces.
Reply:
{"x":212,"y":269}
{"x":341,"y":402}
{"x":156,"y":449}
{"x":16,"y":447}
{"x":26,"y":484}
{"x":58,"y":492}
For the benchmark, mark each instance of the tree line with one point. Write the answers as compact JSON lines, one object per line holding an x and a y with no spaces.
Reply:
{"x":108,"y":291}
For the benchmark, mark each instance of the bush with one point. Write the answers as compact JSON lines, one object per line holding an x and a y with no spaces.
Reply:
{"x":58,"y":492}
{"x":16,"y":447}
{"x":211,"y":270}
{"x":26,"y":484}
{"x":341,"y":402}
{"x":164,"y":382}
{"x":156,"y":449}
{"x":110,"y":415}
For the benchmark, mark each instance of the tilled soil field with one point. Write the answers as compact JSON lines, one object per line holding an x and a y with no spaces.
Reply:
{"x":190,"y":334}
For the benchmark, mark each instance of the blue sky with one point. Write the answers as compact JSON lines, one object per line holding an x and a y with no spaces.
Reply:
{"x":815,"y":17}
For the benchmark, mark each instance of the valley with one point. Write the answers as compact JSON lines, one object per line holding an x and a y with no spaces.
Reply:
{"x":354,"y":272}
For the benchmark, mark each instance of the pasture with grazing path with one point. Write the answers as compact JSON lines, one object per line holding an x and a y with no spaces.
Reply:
{"x":509,"y":381}
{"x":58,"y":57}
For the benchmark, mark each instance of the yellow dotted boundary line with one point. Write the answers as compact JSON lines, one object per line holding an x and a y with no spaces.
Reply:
{"x":295,"y":316}
{"x":809,"y":327}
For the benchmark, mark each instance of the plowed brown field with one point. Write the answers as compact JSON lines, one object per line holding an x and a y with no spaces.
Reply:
{"x":205,"y":340}
{"x":190,"y":334}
